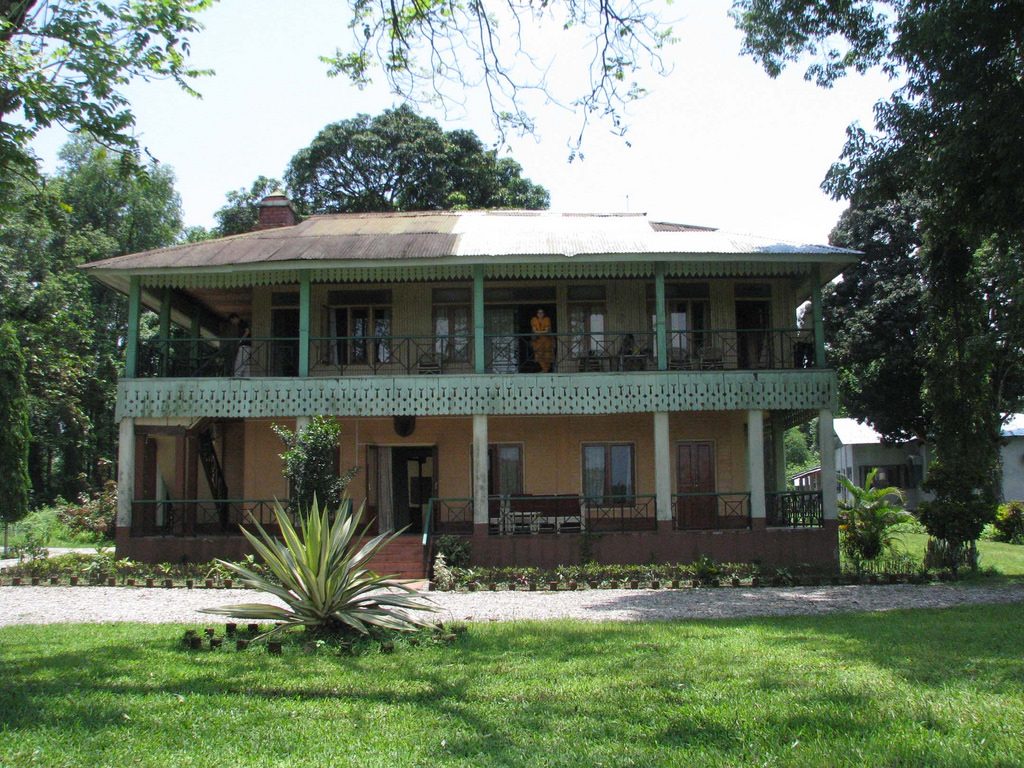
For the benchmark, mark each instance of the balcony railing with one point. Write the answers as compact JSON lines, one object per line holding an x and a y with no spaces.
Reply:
{"x":711,"y":511}
{"x":504,"y":353}
{"x":191,"y":517}
{"x":212,"y":357}
{"x":390,"y":355}
{"x":795,"y":509}
{"x":569,"y":352}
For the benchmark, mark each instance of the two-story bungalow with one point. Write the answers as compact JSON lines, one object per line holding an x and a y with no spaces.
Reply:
{"x":545,"y":384}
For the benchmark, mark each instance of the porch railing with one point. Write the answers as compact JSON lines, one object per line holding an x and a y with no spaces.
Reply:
{"x":794,"y":509}
{"x":452,"y":516}
{"x":190,"y":517}
{"x":711,"y":511}
{"x":504,"y":353}
{"x":548,"y":514}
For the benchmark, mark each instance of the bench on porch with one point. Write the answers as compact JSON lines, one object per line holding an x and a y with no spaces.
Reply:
{"x":526,"y":514}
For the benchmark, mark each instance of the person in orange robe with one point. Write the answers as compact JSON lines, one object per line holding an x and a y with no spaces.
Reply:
{"x":543,"y":343}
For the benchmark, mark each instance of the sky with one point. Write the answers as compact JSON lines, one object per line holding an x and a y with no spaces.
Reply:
{"x":716,"y":143}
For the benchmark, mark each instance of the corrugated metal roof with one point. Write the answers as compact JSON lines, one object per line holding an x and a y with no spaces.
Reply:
{"x":852,"y":432}
{"x":485,"y":234}
{"x":1014,"y":427}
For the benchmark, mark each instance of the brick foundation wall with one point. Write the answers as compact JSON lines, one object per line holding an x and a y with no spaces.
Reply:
{"x":772,"y":547}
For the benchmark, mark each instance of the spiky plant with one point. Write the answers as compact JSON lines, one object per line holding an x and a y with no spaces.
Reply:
{"x":869,"y":519}
{"x":324,"y":579}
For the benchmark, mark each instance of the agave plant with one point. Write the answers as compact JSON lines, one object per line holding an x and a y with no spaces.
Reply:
{"x":324,"y":580}
{"x":868,"y":520}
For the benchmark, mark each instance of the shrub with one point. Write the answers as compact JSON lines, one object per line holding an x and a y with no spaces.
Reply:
{"x":323,"y":578}
{"x":1009,"y":522}
{"x":456,"y":550}
{"x":310,"y":465}
{"x":868,"y":522}
{"x":94,"y":516}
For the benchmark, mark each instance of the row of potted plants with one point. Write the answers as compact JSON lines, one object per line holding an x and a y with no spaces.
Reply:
{"x":704,"y":572}
{"x":102,"y":569}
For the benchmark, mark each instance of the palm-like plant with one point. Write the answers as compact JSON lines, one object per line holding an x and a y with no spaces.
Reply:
{"x":869,"y":517}
{"x":324,"y":581}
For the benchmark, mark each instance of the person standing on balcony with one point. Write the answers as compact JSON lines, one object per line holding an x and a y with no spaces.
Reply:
{"x":241,"y":360}
{"x":543,"y":344}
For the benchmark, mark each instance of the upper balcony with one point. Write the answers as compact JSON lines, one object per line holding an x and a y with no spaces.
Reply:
{"x":509,"y":312}
{"x":609,"y":352}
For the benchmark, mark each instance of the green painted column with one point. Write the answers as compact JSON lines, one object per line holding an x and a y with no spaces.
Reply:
{"x":819,"y":324}
{"x":165,"y":331}
{"x":478,"y":319}
{"x":194,"y":333}
{"x":304,"y":312}
{"x":659,"y":320}
{"x":132,"y":343}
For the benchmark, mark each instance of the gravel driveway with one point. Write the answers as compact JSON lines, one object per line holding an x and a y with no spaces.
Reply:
{"x":48,"y":605}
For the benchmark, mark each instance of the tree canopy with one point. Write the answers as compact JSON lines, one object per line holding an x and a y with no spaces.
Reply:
{"x":240,"y":212}
{"x":951,"y":135}
{"x":14,"y":490}
{"x":65,"y":62}
{"x":100,"y":203}
{"x":431,"y":52}
{"x":400,"y":161}
{"x":875,"y":316}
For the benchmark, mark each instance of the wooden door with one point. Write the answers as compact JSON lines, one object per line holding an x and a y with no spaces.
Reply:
{"x":696,"y":506}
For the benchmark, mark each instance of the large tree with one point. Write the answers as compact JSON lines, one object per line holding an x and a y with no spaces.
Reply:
{"x":875,"y":316}
{"x":14,"y":425}
{"x":240,"y":211}
{"x":99,"y":204}
{"x":952,"y":135}
{"x":400,"y":161}
{"x":65,"y":62}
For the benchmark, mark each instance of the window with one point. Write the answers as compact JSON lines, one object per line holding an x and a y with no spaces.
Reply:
{"x":608,"y":472}
{"x":894,"y":475}
{"x":359,"y":323}
{"x":504,"y":470}
{"x":587,"y":320}
{"x":452,"y":330}
{"x":688,"y":306}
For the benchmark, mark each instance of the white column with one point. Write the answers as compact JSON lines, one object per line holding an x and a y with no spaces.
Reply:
{"x":755,"y":463}
{"x":301,"y":422}
{"x":828,"y":464}
{"x":125,"y":471}
{"x":662,"y":467}
{"x":480,"y":469}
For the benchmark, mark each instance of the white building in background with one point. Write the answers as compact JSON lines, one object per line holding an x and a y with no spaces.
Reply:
{"x":859,"y":449}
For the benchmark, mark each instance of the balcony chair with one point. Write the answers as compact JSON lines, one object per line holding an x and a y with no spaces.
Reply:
{"x":428,"y":364}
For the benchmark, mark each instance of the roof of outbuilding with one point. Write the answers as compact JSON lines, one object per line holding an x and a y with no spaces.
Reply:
{"x":853,"y":432}
{"x":468,"y":235}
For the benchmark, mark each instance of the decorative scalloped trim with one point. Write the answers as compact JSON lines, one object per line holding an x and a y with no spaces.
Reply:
{"x":479,"y":394}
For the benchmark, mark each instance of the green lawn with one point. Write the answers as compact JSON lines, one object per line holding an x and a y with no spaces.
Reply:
{"x":1008,"y":559}
{"x":928,"y":688}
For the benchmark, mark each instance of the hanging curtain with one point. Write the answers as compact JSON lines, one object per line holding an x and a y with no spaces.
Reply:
{"x":385,"y":491}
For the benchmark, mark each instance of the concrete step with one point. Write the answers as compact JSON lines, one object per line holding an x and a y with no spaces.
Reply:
{"x":403,"y":557}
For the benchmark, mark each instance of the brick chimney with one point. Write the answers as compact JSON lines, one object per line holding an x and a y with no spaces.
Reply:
{"x":276,"y":211}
